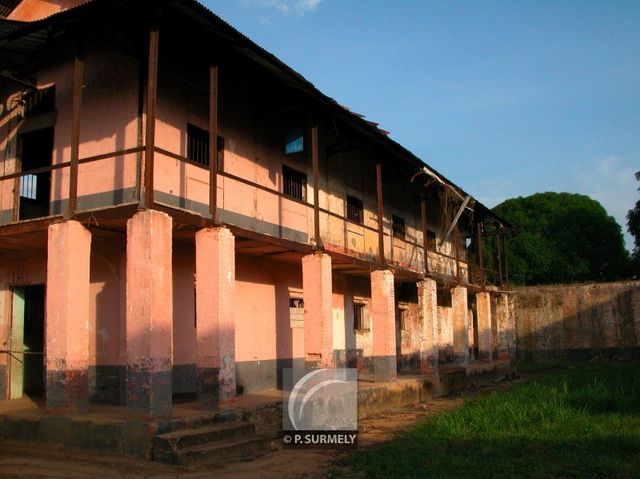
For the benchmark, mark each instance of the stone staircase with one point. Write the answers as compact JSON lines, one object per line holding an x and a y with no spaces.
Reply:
{"x":213,"y":444}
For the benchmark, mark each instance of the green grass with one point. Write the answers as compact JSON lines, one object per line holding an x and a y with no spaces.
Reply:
{"x":576,"y":420}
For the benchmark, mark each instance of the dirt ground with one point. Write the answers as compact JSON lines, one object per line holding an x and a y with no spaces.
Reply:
{"x":24,"y":461}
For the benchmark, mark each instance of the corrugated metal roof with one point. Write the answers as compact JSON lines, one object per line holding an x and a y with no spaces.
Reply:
{"x":7,"y":6}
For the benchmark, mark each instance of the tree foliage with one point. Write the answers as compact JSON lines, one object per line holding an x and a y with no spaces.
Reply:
{"x":633,"y":226}
{"x":563,"y":238}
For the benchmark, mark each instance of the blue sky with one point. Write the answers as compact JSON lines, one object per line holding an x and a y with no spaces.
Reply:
{"x":504,"y":98}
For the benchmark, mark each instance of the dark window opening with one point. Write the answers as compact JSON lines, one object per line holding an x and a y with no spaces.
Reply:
{"x":398,"y":227}
{"x":198,"y":146}
{"x":39,"y":101}
{"x":355,"y":210}
{"x":359,"y":317}
{"x":297,"y":303}
{"x":431,"y":240}
{"x":36,"y":150}
{"x":295,"y":141}
{"x":294,"y":183}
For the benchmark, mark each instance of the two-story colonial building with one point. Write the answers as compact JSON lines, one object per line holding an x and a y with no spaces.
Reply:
{"x":181,"y":213}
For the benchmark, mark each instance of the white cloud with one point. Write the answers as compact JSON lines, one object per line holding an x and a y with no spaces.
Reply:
{"x":611,"y":181}
{"x":286,"y":7}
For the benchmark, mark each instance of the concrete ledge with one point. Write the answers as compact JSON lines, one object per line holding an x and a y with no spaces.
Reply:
{"x":107,"y":429}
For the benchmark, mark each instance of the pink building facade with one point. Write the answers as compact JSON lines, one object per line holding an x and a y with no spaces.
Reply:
{"x":182,"y":215}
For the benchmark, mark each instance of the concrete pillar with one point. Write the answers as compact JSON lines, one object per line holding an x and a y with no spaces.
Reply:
{"x":485,"y":333}
{"x":149,"y":314}
{"x":506,"y":328}
{"x":215,"y":327}
{"x":460,"y":325}
{"x":67,"y":315}
{"x":383,"y":318}
{"x":429,"y":333}
{"x":318,"y":316}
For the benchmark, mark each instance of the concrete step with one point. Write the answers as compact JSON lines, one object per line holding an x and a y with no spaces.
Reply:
{"x":176,"y":447}
{"x":224,"y":451}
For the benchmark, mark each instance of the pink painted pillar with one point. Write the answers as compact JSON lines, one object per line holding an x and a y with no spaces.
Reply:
{"x":485,"y":333}
{"x":67,"y":315}
{"x":149,"y":315}
{"x":460,"y":325}
{"x":383,"y":317}
{"x":429,"y":333}
{"x":318,"y":315}
{"x":506,"y":342}
{"x":215,"y":326}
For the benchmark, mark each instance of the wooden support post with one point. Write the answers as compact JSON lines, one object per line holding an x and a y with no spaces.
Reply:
{"x":380,"y":212}
{"x":315,"y":164}
{"x":499,"y":254}
{"x":213,"y":144}
{"x":504,"y":259}
{"x":456,"y":240}
{"x":78,"y":78}
{"x":146,"y":193}
{"x":483,"y":278}
{"x":425,"y":232}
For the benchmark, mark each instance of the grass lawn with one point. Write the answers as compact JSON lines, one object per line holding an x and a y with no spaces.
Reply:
{"x":574,"y":420}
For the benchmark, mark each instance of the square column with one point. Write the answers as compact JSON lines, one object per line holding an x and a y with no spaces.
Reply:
{"x":317,"y":290}
{"x":429,"y":334}
{"x":485,"y":333}
{"x":383,"y":318}
{"x":460,"y":325}
{"x":215,"y":325}
{"x":506,"y":343}
{"x":149,"y":314}
{"x":67,"y":315}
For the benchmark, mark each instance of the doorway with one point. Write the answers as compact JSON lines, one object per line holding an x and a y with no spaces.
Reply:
{"x":27,"y":342}
{"x":36,"y":149}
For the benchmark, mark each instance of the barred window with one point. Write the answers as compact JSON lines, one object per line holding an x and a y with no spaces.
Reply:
{"x":398,"y":227}
{"x":294,"y":183}
{"x":360,"y":318}
{"x":198,"y":146}
{"x":355,"y":210}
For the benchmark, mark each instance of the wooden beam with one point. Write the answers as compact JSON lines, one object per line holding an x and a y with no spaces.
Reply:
{"x":499,"y":255}
{"x":315,"y":165}
{"x":425,"y":232}
{"x":78,"y":79}
{"x":456,"y":240}
{"x":213,"y":144}
{"x":380,"y":212}
{"x":504,"y":259}
{"x":455,"y":220}
{"x":146,"y":193}
{"x":483,"y":279}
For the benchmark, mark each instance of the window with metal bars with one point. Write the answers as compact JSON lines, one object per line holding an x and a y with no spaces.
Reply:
{"x":355,"y":210}
{"x":359,"y":317}
{"x":398,"y":227}
{"x":198,"y":146}
{"x":294,"y":183}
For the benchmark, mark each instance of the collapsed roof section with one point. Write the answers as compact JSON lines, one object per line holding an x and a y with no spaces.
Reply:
{"x":22,"y":42}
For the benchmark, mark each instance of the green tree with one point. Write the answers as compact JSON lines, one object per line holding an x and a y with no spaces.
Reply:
{"x":563,"y":238}
{"x":633,"y":226}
